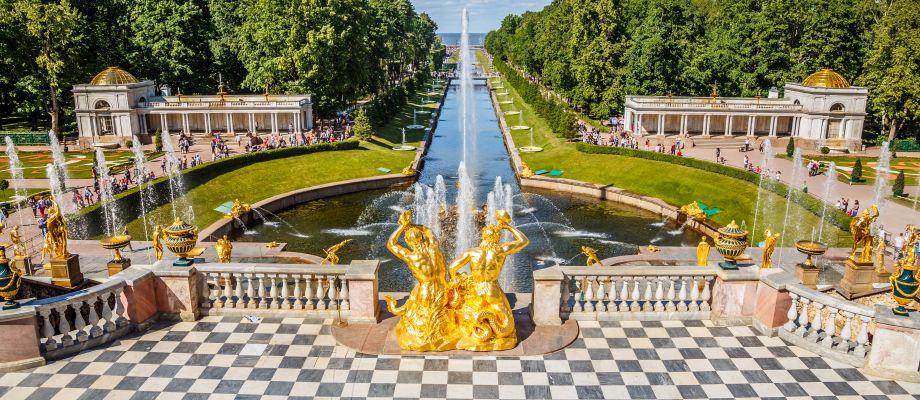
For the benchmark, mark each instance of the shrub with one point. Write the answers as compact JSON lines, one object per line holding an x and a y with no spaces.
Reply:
{"x":790,"y":147}
{"x":898,"y":187}
{"x":825,"y":150}
{"x":158,"y":141}
{"x":363,"y":128}
{"x":4,"y":184}
{"x":856,"y":176}
{"x":812,"y":204}
{"x":129,"y":144}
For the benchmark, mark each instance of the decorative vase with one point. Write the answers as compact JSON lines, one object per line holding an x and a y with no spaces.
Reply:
{"x":904,"y":287}
{"x":731,"y":243}
{"x":181,"y":239}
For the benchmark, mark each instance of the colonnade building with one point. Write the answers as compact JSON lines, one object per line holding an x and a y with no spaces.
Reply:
{"x":115,"y":105}
{"x":822,"y":110}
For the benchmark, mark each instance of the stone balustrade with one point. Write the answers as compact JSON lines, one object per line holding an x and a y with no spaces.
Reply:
{"x":828,"y":325}
{"x":75,"y":321}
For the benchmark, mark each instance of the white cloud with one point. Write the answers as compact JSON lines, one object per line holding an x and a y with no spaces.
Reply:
{"x":485,"y":15}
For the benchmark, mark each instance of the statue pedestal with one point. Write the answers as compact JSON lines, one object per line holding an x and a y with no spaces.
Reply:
{"x":23,"y":263}
{"x":66,"y":272}
{"x":807,"y":274}
{"x":882,"y":277}
{"x":857,"y":279}
{"x":115,"y":267}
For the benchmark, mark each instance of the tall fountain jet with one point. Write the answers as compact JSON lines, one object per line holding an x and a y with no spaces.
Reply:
{"x":466,"y":191}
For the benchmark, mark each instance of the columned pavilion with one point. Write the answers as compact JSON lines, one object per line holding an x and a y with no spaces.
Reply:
{"x":115,"y":105}
{"x":824,"y":110}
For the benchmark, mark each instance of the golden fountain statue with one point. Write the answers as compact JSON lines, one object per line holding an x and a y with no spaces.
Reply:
{"x":693,"y":211}
{"x":526,"y":172}
{"x":46,"y":249}
{"x":158,"y":242}
{"x":862,"y":237}
{"x":237,"y":209}
{"x":331,"y":253}
{"x":224,"y":249}
{"x":590,"y":254}
{"x":702,"y":252}
{"x":426,"y":323}
{"x":485,"y":319}
{"x":16,"y":239}
{"x":769,"y":246}
{"x":57,"y":231}
{"x":408,"y":171}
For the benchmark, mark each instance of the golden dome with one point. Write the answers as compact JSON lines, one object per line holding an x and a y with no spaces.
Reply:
{"x":113,"y":76}
{"x":826,"y":78}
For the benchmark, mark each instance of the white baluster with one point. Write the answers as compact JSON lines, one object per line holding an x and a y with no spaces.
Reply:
{"x":333,"y":294}
{"x":579,"y":294}
{"x":228,"y":290}
{"x":589,"y":294}
{"x":240,"y":301}
{"x":624,"y":294}
{"x":119,"y":310}
{"x":218,"y":292}
{"x":647,"y":295}
{"x":251,"y":301}
{"x":298,"y":293}
{"x":108,"y":313}
{"x":846,"y":334}
{"x":803,"y":318}
{"x":48,"y":330}
{"x":204,"y":291}
{"x":659,"y":295}
{"x":694,"y":294}
{"x":682,"y":294}
{"x":79,"y":324}
{"x":634,"y":296}
{"x":285,"y":293}
{"x":94,"y":329}
{"x":793,"y":313}
{"x":308,"y":295}
{"x":672,"y":294}
{"x":601,"y":293}
{"x":344,"y":295}
{"x":830,"y":329}
{"x":273,"y":293}
{"x":862,"y":339}
{"x":564,"y":304}
{"x":64,"y":326}
{"x":814,"y":333}
{"x":321,"y":293}
{"x":263,"y":302}
{"x":706,"y":295}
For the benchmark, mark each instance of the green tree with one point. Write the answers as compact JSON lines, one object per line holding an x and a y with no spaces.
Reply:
{"x":898,"y":187}
{"x":363,"y":128}
{"x":856,"y":175}
{"x":158,"y":141}
{"x":790,"y":147}
{"x":4,"y":184}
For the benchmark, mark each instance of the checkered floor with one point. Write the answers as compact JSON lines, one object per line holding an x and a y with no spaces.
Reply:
{"x":227,"y":358}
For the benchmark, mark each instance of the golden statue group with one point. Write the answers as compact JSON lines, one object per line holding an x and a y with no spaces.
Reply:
{"x":469,"y":312}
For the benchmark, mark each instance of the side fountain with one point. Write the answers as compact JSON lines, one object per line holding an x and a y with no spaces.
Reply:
{"x":520,"y":126}
{"x":404,"y":146}
{"x":415,"y":125}
{"x":531,"y":148}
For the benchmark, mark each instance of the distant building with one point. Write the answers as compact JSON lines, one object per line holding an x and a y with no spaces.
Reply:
{"x":823,"y":110}
{"x":115,"y":105}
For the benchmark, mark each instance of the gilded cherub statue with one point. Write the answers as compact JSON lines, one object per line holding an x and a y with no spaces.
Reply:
{"x":158,"y":242}
{"x":702,"y":252}
{"x":484,"y":315}
{"x":426,"y":323}
{"x":16,"y":240}
{"x":57,"y":231}
{"x":331,"y":253}
{"x":10,"y":281}
{"x":224,"y":249}
{"x":769,"y":246}
{"x":590,"y":255}
{"x":862,"y":237}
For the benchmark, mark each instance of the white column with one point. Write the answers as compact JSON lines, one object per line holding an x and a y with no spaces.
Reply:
{"x":207,"y":122}
{"x":752,"y":120}
{"x":728,"y":125}
{"x":639,"y":124}
{"x":185,"y":124}
{"x":252,"y":123}
{"x":296,"y":122}
{"x":660,"y":124}
{"x":143,"y":123}
{"x":684,"y":122}
{"x":164,"y":124}
{"x":706,"y":125}
{"x":274,"y":122}
{"x":773,"y":126}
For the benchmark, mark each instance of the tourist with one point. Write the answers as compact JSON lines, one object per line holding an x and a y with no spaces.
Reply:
{"x":855,"y":210}
{"x":718,"y":153}
{"x":43,"y":225}
{"x":898,"y":246}
{"x":34,"y":206}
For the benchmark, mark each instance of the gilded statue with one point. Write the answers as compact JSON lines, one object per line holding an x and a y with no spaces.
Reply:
{"x":57,"y":231}
{"x":590,"y":255}
{"x":10,"y":281}
{"x":908,"y":256}
{"x":158,"y":242}
{"x":237,"y":209}
{"x":769,"y":246}
{"x":332,"y":256}
{"x":702,"y":252}
{"x":16,"y":240}
{"x":46,"y":249}
{"x":484,"y":315}
{"x":693,"y":211}
{"x":862,"y":237}
{"x":526,"y":172}
{"x":426,"y":323}
{"x":224,"y":248}
{"x":880,"y":256}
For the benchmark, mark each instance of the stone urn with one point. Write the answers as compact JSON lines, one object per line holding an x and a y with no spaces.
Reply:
{"x":904,"y":287}
{"x":731,"y":243}
{"x":181,"y":239}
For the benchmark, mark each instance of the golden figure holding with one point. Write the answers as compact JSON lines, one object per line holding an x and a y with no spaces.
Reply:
{"x":862,"y":237}
{"x":224,"y":249}
{"x":769,"y":246}
{"x":426,"y":323}
{"x":237,"y":209}
{"x":702,"y":252}
{"x":158,"y":242}
{"x":16,"y":240}
{"x":591,"y":256}
{"x":57,"y":231}
{"x":331,"y":253}
{"x":46,"y":249}
{"x":880,"y":256}
{"x":484,"y":315}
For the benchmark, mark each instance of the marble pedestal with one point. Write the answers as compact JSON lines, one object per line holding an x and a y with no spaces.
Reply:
{"x":858,"y":278}
{"x":116,"y":266}
{"x":807,"y":274}
{"x":23,"y":263}
{"x":66,"y":272}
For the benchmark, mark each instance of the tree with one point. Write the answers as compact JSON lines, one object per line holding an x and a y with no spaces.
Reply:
{"x":790,"y":147}
{"x":363,"y":128}
{"x":4,"y":184}
{"x":856,"y":175}
{"x":158,"y":141}
{"x":898,"y":187}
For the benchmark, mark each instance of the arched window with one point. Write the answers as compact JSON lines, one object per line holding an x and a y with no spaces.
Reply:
{"x":102,"y":105}
{"x":797,"y":102}
{"x":837,"y":107}
{"x":142,"y":100}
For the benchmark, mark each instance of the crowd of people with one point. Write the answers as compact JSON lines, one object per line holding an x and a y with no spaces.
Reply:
{"x":616,"y":136}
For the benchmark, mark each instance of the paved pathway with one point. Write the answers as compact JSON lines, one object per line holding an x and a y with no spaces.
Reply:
{"x":230,"y":357}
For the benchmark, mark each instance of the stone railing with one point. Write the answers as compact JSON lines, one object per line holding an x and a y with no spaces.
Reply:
{"x":70,"y":323}
{"x":309,"y":290}
{"x":828,"y":326}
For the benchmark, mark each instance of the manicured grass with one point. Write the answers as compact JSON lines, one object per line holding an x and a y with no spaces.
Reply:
{"x":8,"y":194}
{"x":391,"y":133}
{"x":677,"y":185}
{"x":911,"y":167}
{"x":80,"y":163}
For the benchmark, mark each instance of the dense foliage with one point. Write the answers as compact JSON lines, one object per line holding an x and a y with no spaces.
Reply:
{"x":561,"y":121}
{"x":339,"y":51}
{"x":898,"y":187}
{"x":595,"y":52}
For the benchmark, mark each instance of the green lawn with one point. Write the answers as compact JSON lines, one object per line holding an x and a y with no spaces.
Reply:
{"x":677,"y":185}
{"x":911,"y":167}
{"x":391,"y":133}
{"x":80,"y":164}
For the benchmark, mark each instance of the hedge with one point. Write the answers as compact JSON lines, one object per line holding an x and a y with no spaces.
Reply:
{"x":127,"y":202}
{"x":561,"y":121}
{"x":812,"y":204}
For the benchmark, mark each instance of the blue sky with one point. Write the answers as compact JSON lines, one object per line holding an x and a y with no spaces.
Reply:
{"x":485,"y":15}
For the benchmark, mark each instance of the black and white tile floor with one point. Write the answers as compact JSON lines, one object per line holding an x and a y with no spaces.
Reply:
{"x":233,"y":358}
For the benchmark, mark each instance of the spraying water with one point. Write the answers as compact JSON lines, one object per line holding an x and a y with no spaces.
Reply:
{"x":180,"y":206}
{"x":830,"y":182}
{"x":109,"y":208}
{"x":140,"y":163}
{"x":15,"y":176}
{"x":466,"y":209}
{"x":882,"y":190}
{"x":798,"y":169}
{"x":468,"y":116}
{"x":765,"y":206}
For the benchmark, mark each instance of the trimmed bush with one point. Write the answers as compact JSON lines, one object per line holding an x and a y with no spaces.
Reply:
{"x":825,"y":150}
{"x":856,"y":176}
{"x":812,"y":204}
{"x":4,"y":184}
{"x":363,"y":129}
{"x":898,"y":187}
{"x":790,"y":147}
{"x":158,"y":141}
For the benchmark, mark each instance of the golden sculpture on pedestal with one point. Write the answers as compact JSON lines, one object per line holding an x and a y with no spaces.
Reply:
{"x":702,"y":252}
{"x":426,"y":323}
{"x":16,"y":240}
{"x":224,"y":249}
{"x":57,"y":231}
{"x":693,"y":211}
{"x":158,"y":242}
{"x":526,"y":172}
{"x":408,"y":171}
{"x":769,"y":246}
{"x":331,"y":253}
{"x":862,"y":237}
{"x":591,"y":254}
{"x":237,"y":209}
{"x":880,"y":257}
{"x":46,"y":249}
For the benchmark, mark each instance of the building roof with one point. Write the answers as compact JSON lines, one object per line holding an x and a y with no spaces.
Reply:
{"x":113,"y":76}
{"x":826,"y":78}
